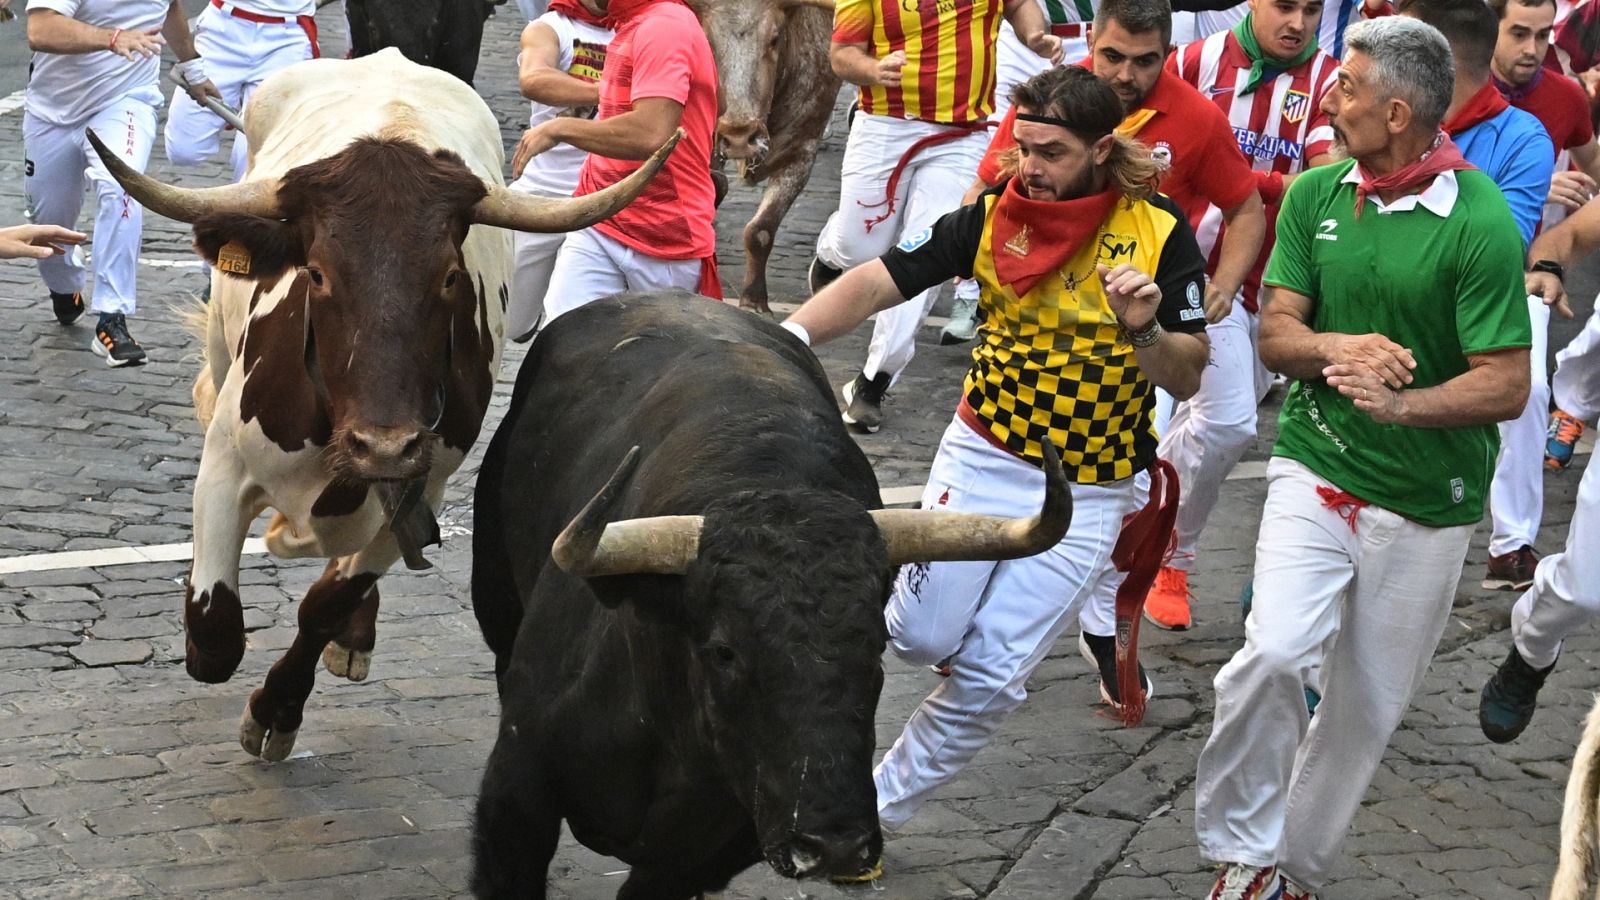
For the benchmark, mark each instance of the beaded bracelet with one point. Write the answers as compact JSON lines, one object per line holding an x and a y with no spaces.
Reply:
{"x":1146,"y":336}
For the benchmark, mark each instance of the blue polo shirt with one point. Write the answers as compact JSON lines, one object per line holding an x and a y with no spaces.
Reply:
{"x":1515,"y":151}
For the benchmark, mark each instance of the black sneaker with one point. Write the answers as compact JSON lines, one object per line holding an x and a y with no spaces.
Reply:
{"x":1511,"y":571}
{"x":1101,"y":652}
{"x":68,"y":307}
{"x":863,"y":401}
{"x":1510,"y":697}
{"x":820,"y":275}
{"x":112,"y":340}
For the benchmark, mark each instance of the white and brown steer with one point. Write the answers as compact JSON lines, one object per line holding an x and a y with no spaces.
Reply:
{"x":352,"y":343}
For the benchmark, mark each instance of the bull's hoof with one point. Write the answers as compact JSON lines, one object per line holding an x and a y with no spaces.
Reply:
{"x":211,"y":668}
{"x":343,"y":663}
{"x":259,"y":740}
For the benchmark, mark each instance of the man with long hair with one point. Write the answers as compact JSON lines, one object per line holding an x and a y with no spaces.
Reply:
{"x":1090,"y":288}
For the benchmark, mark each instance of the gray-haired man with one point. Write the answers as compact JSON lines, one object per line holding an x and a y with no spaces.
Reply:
{"x":1394,"y":297}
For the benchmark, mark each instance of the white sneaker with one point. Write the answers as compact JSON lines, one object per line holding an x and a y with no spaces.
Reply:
{"x":1241,"y":882}
{"x":963,"y":324}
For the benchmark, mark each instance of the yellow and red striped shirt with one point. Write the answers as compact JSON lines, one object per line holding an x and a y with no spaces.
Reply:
{"x":950,"y":55}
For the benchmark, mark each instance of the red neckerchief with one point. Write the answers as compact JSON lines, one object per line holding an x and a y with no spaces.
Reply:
{"x":1485,"y":104}
{"x":1033,"y":238}
{"x":572,"y":9}
{"x":618,"y":12}
{"x":1442,"y":157}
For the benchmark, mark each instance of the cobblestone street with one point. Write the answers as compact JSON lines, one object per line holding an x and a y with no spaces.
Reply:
{"x":121,"y":777}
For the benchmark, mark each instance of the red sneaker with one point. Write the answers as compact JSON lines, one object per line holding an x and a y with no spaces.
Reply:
{"x":1167,"y":604}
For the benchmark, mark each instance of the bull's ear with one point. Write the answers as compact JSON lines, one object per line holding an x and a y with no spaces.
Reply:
{"x":256,"y":247}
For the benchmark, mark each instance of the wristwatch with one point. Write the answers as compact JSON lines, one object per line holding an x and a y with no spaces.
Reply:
{"x":1551,"y":266}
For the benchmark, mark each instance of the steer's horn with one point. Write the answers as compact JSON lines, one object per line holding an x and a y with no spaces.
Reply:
{"x":525,"y":212}
{"x":915,"y":535}
{"x":257,"y":198}
{"x":591,"y":545}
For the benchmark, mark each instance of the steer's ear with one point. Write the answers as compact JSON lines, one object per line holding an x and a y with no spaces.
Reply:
{"x":248,"y":246}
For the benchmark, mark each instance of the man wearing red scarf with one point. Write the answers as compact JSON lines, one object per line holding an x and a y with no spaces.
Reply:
{"x":1513,"y":148}
{"x":659,"y":76}
{"x":1091,"y":297}
{"x":1394,"y":297}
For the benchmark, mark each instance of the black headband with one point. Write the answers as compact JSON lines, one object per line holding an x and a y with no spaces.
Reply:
{"x":1052,"y":120}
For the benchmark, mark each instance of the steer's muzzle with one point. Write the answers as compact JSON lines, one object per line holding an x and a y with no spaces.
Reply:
{"x":381,"y":453}
{"x":830,"y":855}
{"x":741,"y":138}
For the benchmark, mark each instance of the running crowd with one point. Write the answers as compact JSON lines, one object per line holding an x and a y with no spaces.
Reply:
{"x":1147,"y":214}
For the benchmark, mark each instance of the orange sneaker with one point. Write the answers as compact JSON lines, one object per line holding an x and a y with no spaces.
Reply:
{"x":1167,"y":604}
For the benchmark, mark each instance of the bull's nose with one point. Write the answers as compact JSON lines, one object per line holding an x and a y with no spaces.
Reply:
{"x":386,"y":452}
{"x":833,"y":855}
{"x":739,"y":138}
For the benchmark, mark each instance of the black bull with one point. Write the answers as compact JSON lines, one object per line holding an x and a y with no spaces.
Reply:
{"x":444,"y":34}
{"x":689,"y":670}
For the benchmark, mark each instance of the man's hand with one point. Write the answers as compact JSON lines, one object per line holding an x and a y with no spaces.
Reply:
{"x":1047,"y":46}
{"x":1131,"y":295}
{"x":1547,"y":287}
{"x":1388,"y":362}
{"x":37,"y":241}
{"x":1368,"y":392}
{"x":1217,"y":304}
{"x":136,"y":45}
{"x":535,"y":141}
{"x":889,"y":68}
{"x":199,"y":92}
{"x":1571,"y":189}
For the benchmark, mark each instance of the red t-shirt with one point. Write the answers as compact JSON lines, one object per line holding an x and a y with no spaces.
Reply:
{"x":1559,"y":104}
{"x":662,"y":52}
{"x":1204,"y":162}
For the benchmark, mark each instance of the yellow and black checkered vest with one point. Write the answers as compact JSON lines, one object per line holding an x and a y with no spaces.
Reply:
{"x":1053,"y":364}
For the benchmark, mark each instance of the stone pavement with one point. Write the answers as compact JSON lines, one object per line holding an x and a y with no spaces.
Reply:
{"x":120,"y":777}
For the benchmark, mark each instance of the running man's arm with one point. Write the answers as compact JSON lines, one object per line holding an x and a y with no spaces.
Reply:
{"x":539,"y":74}
{"x":52,"y":32}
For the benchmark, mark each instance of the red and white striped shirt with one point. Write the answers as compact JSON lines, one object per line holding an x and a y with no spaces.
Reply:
{"x":1279,"y":125}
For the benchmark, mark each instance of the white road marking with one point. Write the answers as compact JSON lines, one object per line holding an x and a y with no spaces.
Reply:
{"x":13,"y":102}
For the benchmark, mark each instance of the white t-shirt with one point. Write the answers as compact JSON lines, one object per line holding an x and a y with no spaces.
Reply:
{"x":65,"y":89}
{"x":583,"y":54}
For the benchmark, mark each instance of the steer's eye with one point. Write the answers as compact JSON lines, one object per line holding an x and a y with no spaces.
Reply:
{"x":450,"y":278}
{"x":315,"y":274}
{"x":721,"y":654}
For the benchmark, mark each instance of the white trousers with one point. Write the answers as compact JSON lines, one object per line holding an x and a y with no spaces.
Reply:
{"x":1210,"y":431}
{"x":995,"y":620}
{"x":59,"y":161}
{"x":930,"y":186}
{"x":1576,"y":384}
{"x":1516,"y":495}
{"x":239,"y":55}
{"x":1566,"y":587}
{"x":1368,"y":604}
{"x":533,"y":261}
{"x":590,"y":265}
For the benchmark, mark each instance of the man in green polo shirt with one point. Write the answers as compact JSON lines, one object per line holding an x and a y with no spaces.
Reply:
{"x":1395,"y":299}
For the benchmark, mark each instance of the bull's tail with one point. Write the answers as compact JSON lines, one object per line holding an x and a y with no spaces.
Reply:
{"x":1578,"y":815}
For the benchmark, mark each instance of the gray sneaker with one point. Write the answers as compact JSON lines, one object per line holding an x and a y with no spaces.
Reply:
{"x":963,"y":324}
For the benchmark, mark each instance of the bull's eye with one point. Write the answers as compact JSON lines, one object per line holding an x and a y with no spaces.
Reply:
{"x":721,"y":654}
{"x":315,"y":274}
{"x":450,"y":279}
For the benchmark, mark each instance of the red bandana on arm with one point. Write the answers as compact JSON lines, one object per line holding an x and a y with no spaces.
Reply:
{"x":620,"y":11}
{"x":1033,"y":238}
{"x":572,"y":9}
{"x":1442,"y":157}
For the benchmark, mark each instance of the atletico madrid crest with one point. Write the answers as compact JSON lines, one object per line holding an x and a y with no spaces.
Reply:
{"x":1295,"y":106}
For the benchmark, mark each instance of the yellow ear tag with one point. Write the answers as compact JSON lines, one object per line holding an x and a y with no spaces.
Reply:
{"x":234,"y":259}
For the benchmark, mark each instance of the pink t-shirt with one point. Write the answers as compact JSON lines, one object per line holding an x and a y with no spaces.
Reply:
{"x":662,"y":52}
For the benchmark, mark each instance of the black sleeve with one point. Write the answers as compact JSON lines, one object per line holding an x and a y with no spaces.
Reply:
{"x":941,"y":252}
{"x":1181,"y":274}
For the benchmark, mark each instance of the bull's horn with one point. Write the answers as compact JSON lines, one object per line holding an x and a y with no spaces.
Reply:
{"x":257,"y":198}
{"x":590,"y":545}
{"x":525,"y":212}
{"x":819,"y":4}
{"x":914,"y":535}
